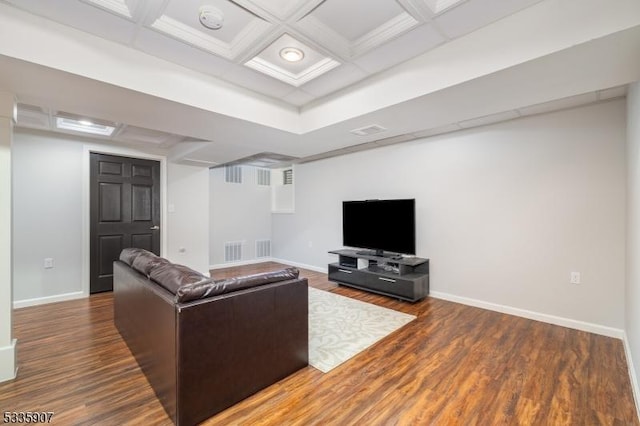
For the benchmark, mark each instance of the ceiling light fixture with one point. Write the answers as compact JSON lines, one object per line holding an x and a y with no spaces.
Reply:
{"x":211,"y":17}
{"x":292,"y":54}
{"x":83,"y":126}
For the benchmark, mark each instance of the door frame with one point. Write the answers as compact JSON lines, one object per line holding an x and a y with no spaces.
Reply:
{"x":87,"y":149}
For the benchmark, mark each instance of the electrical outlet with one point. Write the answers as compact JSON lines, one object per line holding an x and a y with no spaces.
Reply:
{"x":48,"y":263}
{"x":575,"y":278}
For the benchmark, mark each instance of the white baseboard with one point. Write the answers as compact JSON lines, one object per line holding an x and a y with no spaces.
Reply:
{"x":551,"y":319}
{"x":301,"y":265}
{"x":632,"y":373}
{"x":49,"y":299}
{"x":8,"y":363}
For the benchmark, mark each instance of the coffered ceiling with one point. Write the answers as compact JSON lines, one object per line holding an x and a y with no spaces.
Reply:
{"x":396,"y":70}
{"x":343,"y":41}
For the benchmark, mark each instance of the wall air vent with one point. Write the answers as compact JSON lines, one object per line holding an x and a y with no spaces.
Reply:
{"x":263,"y":248}
{"x":263,"y":177}
{"x":233,"y":174}
{"x":369,"y":130}
{"x":287,"y":177}
{"x":233,"y":251}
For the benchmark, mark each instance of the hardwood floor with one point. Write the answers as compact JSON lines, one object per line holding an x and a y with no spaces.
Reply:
{"x":453,"y":365}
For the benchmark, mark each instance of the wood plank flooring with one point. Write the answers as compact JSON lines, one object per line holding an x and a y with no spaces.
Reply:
{"x":453,"y":365}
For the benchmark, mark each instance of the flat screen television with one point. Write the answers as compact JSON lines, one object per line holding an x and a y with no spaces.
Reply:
{"x":380,"y":225}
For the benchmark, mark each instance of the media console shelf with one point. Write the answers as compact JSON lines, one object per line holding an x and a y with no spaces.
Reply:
{"x":405,"y":278}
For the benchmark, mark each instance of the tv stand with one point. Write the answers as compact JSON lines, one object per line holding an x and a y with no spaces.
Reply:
{"x":376,"y":253}
{"x":405,"y":278}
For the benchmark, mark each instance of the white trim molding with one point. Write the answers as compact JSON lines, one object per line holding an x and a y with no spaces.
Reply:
{"x":8,"y":362}
{"x":240,"y":263}
{"x":633,"y":377}
{"x":537,"y":316}
{"x":265,"y":260}
{"x":17,"y":304}
{"x":296,"y":80}
{"x":301,"y":265}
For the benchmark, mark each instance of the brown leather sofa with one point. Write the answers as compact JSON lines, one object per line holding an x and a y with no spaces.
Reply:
{"x":205,"y":345}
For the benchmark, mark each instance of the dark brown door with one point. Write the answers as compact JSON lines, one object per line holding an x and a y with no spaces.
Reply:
{"x":125,"y":212}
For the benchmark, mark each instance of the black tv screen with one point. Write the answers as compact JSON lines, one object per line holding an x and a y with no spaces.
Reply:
{"x":380,"y":225}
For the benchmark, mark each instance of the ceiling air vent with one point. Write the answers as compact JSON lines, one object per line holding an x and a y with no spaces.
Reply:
{"x":368,"y":130}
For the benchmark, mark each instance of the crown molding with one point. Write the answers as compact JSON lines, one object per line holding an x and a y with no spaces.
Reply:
{"x":390,"y":29}
{"x":295,"y":80}
{"x":118,"y":7}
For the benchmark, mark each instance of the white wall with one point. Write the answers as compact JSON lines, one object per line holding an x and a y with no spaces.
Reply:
{"x":282,"y":196}
{"x":188,"y":216}
{"x":239,"y":212}
{"x":504,"y":212}
{"x":8,"y":364}
{"x":49,"y":176}
{"x":47,"y":206}
{"x":632,"y":299}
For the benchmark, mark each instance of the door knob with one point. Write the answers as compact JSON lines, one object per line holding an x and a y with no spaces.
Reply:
{"x":155,"y":228}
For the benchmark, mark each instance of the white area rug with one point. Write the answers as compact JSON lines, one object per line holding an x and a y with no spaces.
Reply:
{"x":340,"y":327}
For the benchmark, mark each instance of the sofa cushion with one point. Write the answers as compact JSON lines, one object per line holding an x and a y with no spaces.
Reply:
{"x":207,"y":289}
{"x":173,"y":277}
{"x":147,"y":261}
{"x":128,"y":255}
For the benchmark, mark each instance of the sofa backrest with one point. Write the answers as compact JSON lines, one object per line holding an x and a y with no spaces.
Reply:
{"x":187,"y":284}
{"x":203,"y":290}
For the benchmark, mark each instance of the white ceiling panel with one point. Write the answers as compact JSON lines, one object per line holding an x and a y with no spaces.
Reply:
{"x":180,"y":53}
{"x":354,"y":18}
{"x":474,"y":14}
{"x":235,"y":17}
{"x":84,"y":17}
{"x":281,"y":9}
{"x":405,"y":47}
{"x":240,"y":31}
{"x":352,"y":28}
